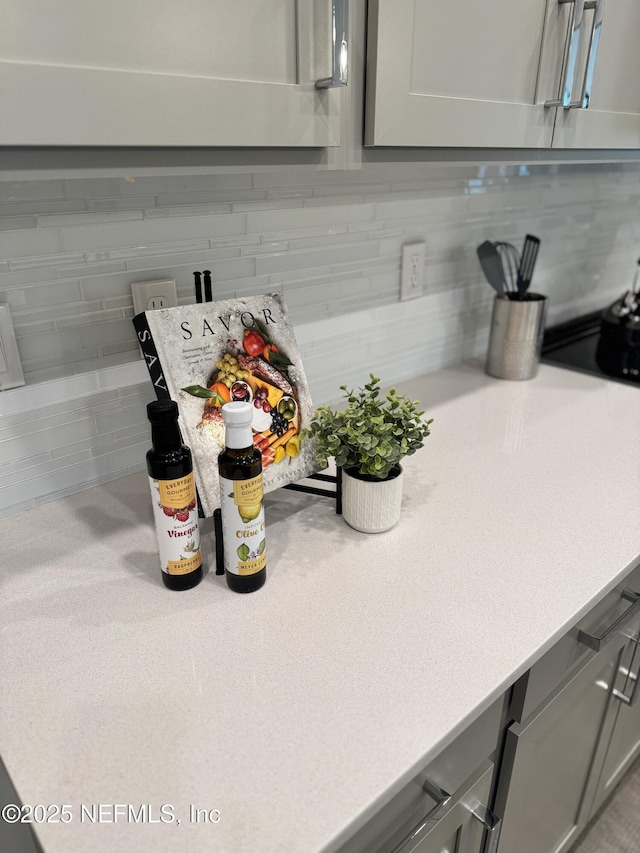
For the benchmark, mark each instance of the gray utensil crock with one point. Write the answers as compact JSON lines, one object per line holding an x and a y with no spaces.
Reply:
{"x":515,"y":339}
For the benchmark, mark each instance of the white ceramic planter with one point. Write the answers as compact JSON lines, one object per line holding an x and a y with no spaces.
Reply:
{"x":371,"y":506}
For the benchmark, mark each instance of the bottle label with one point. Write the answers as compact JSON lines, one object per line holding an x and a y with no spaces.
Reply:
{"x":176,"y":517}
{"x":243,"y":526}
{"x":177,"y":494}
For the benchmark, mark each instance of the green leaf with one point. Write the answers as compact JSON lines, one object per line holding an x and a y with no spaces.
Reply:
{"x":199,"y":391}
{"x":243,"y":552}
{"x":279,"y":359}
{"x":370,"y":434}
{"x":260,"y":326}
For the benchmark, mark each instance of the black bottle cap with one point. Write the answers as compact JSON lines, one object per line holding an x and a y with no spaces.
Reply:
{"x":162,"y":411}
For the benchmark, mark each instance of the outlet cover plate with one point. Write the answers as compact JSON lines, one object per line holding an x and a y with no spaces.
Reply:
{"x":149,"y":295}
{"x":11,"y":375}
{"x":412,"y":273}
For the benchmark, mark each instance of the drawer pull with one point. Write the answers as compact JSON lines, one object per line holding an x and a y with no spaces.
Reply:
{"x":594,"y":641}
{"x":442,"y":801}
{"x":492,"y":824}
{"x":480,"y":812}
{"x":570,"y":57}
{"x":629,"y":700}
{"x":587,"y":82}
{"x":339,"y":46}
{"x":632,"y":698}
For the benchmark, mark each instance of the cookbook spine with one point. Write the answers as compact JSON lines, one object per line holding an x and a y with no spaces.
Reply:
{"x":150,"y":354}
{"x":154,"y":366}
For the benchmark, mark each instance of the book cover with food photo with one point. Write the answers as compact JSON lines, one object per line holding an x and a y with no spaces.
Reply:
{"x":205,"y":355}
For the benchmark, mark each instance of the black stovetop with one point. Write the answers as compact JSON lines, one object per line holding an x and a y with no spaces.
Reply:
{"x":573,"y":345}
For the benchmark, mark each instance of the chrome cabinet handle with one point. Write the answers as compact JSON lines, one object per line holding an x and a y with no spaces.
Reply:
{"x":594,"y":42}
{"x":492,"y":824}
{"x":570,"y":56}
{"x":486,"y":817}
{"x":442,"y":799}
{"x":574,"y":44}
{"x":340,"y":46}
{"x":594,"y":641}
{"x":632,"y":698}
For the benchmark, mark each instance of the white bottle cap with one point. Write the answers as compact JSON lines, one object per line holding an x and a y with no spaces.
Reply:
{"x":238,"y":413}
{"x":237,"y":417}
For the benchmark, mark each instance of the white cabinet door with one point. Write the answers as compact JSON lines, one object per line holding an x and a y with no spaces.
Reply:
{"x":460,"y":74}
{"x":612,"y":119}
{"x":161,"y":73}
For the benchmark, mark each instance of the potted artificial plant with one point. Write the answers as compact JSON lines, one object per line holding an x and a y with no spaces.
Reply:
{"x":367,"y":439}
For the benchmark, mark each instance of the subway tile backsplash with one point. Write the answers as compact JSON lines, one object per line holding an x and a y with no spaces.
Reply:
{"x":330,"y":240}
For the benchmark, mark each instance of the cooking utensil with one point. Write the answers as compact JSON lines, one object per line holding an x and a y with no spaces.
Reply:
{"x":527,"y":263}
{"x":634,"y":286}
{"x":208,"y":295}
{"x":197,"y":276}
{"x":492,"y":266}
{"x":632,"y":298}
{"x":510,"y":260}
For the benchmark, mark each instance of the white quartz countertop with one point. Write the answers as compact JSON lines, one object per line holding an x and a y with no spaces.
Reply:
{"x":295,"y":712}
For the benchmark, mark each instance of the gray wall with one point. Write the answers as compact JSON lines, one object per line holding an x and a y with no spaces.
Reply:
{"x":330,"y":240}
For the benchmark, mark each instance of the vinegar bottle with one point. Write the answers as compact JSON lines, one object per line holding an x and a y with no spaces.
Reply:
{"x":173,"y":495}
{"x":241,"y":499}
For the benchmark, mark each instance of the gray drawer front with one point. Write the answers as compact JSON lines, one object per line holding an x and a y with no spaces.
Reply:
{"x":558,"y":664}
{"x":450,"y":770}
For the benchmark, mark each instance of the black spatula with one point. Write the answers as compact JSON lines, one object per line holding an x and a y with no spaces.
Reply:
{"x":492,"y":266}
{"x":527,"y":263}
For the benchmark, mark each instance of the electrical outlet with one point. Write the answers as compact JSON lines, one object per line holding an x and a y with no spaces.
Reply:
{"x":11,"y":375}
{"x":148,"y":295}
{"x":412,"y":273}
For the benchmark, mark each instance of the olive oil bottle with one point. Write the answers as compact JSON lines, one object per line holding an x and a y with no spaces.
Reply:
{"x":173,"y":495}
{"x":241,"y":499}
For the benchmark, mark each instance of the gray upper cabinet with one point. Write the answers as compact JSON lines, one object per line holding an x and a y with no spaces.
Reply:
{"x":612,"y":119}
{"x":506,"y":74}
{"x":509,"y":74}
{"x":158,"y":73}
{"x":455,"y":74}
